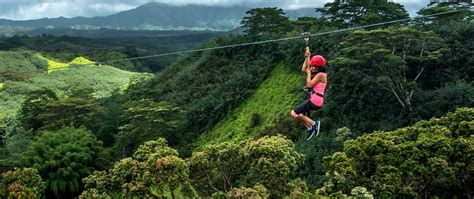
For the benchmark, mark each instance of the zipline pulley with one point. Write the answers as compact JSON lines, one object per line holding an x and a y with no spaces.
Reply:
{"x":305,"y":36}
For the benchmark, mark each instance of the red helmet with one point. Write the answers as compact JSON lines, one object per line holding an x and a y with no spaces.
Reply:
{"x":317,"y":60}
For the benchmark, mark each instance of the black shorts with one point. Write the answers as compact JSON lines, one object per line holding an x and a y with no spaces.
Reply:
{"x":305,"y":107}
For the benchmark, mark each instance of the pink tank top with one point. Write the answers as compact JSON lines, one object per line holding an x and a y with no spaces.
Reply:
{"x":315,"y":99}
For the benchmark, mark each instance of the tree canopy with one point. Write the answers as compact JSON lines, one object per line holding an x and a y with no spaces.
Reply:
{"x":153,"y":171}
{"x":348,"y":13}
{"x":21,"y":183}
{"x":270,"y":161}
{"x":394,"y":57}
{"x":433,"y":157}
{"x":266,"y":21}
{"x":147,"y":120}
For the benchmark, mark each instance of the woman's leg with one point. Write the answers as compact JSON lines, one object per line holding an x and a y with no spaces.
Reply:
{"x":306,"y":120}
{"x":307,"y":125}
{"x":299,"y":111}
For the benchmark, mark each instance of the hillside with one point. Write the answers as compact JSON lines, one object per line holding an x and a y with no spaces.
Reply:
{"x":20,"y":62}
{"x":110,"y":45}
{"x":275,"y":97}
{"x":103,"y":80}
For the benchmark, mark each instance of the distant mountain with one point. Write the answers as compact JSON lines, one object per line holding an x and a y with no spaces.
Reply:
{"x":110,"y":33}
{"x":154,"y":16}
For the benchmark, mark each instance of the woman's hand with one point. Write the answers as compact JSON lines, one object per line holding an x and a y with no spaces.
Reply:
{"x":305,"y":65}
{"x":308,"y":70}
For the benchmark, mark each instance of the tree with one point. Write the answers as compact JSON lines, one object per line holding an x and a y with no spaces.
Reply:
{"x":73,"y":111}
{"x":15,"y":145}
{"x":106,"y":121}
{"x":21,"y":183}
{"x":266,"y":21}
{"x":63,"y":158}
{"x":256,"y":192}
{"x":463,"y":14}
{"x":272,"y":160}
{"x":33,"y":106}
{"x":153,"y":171}
{"x":298,"y":189}
{"x":393,"y":58}
{"x":346,"y":13}
{"x":456,"y":29}
{"x":214,"y":168}
{"x":445,"y":99}
{"x":430,"y":158}
{"x":44,"y":110}
{"x":147,"y":120}
{"x":267,"y":160}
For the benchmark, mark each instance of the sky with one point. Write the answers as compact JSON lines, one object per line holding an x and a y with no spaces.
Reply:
{"x":35,"y":9}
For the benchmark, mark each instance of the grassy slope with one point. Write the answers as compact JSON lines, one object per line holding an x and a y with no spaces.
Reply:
{"x":55,"y":66}
{"x":104,"y":80}
{"x":277,"y":95}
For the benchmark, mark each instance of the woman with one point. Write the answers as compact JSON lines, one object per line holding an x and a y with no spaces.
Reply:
{"x":317,"y":86}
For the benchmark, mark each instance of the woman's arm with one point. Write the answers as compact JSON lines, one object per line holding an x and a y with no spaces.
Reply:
{"x":310,"y":82}
{"x":307,"y":54}
{"x":303,"y":67}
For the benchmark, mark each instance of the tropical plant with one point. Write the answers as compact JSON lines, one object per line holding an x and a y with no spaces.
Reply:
{"x":63,"y":158}
{"x":21,"y":183}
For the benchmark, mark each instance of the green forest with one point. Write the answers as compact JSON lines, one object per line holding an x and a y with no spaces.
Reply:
{"x":397,"y":122}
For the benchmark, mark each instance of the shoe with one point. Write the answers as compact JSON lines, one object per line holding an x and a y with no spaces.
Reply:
{"x":319,"y":125}
{"x":310,"y":133}
{"x":313,"y":129}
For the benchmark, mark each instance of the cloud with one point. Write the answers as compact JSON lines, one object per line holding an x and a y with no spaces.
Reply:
{"x":24,"y":10}
{"x":110,"y":8}
{"x":35,"y":9}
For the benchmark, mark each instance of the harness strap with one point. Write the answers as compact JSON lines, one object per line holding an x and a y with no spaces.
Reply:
{"x":311,"y":91}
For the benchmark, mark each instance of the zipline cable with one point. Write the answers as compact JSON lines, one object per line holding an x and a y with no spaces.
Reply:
{"x":282,"y":39}
{"x":264,"y":41}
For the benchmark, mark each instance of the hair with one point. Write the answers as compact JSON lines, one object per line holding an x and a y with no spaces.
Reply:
{"x":320,"y":69}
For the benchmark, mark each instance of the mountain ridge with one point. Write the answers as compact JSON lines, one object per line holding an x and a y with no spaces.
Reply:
{"x":155,"y":16}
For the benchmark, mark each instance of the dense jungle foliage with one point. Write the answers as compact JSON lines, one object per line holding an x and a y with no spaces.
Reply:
{"x":398,"y":118}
